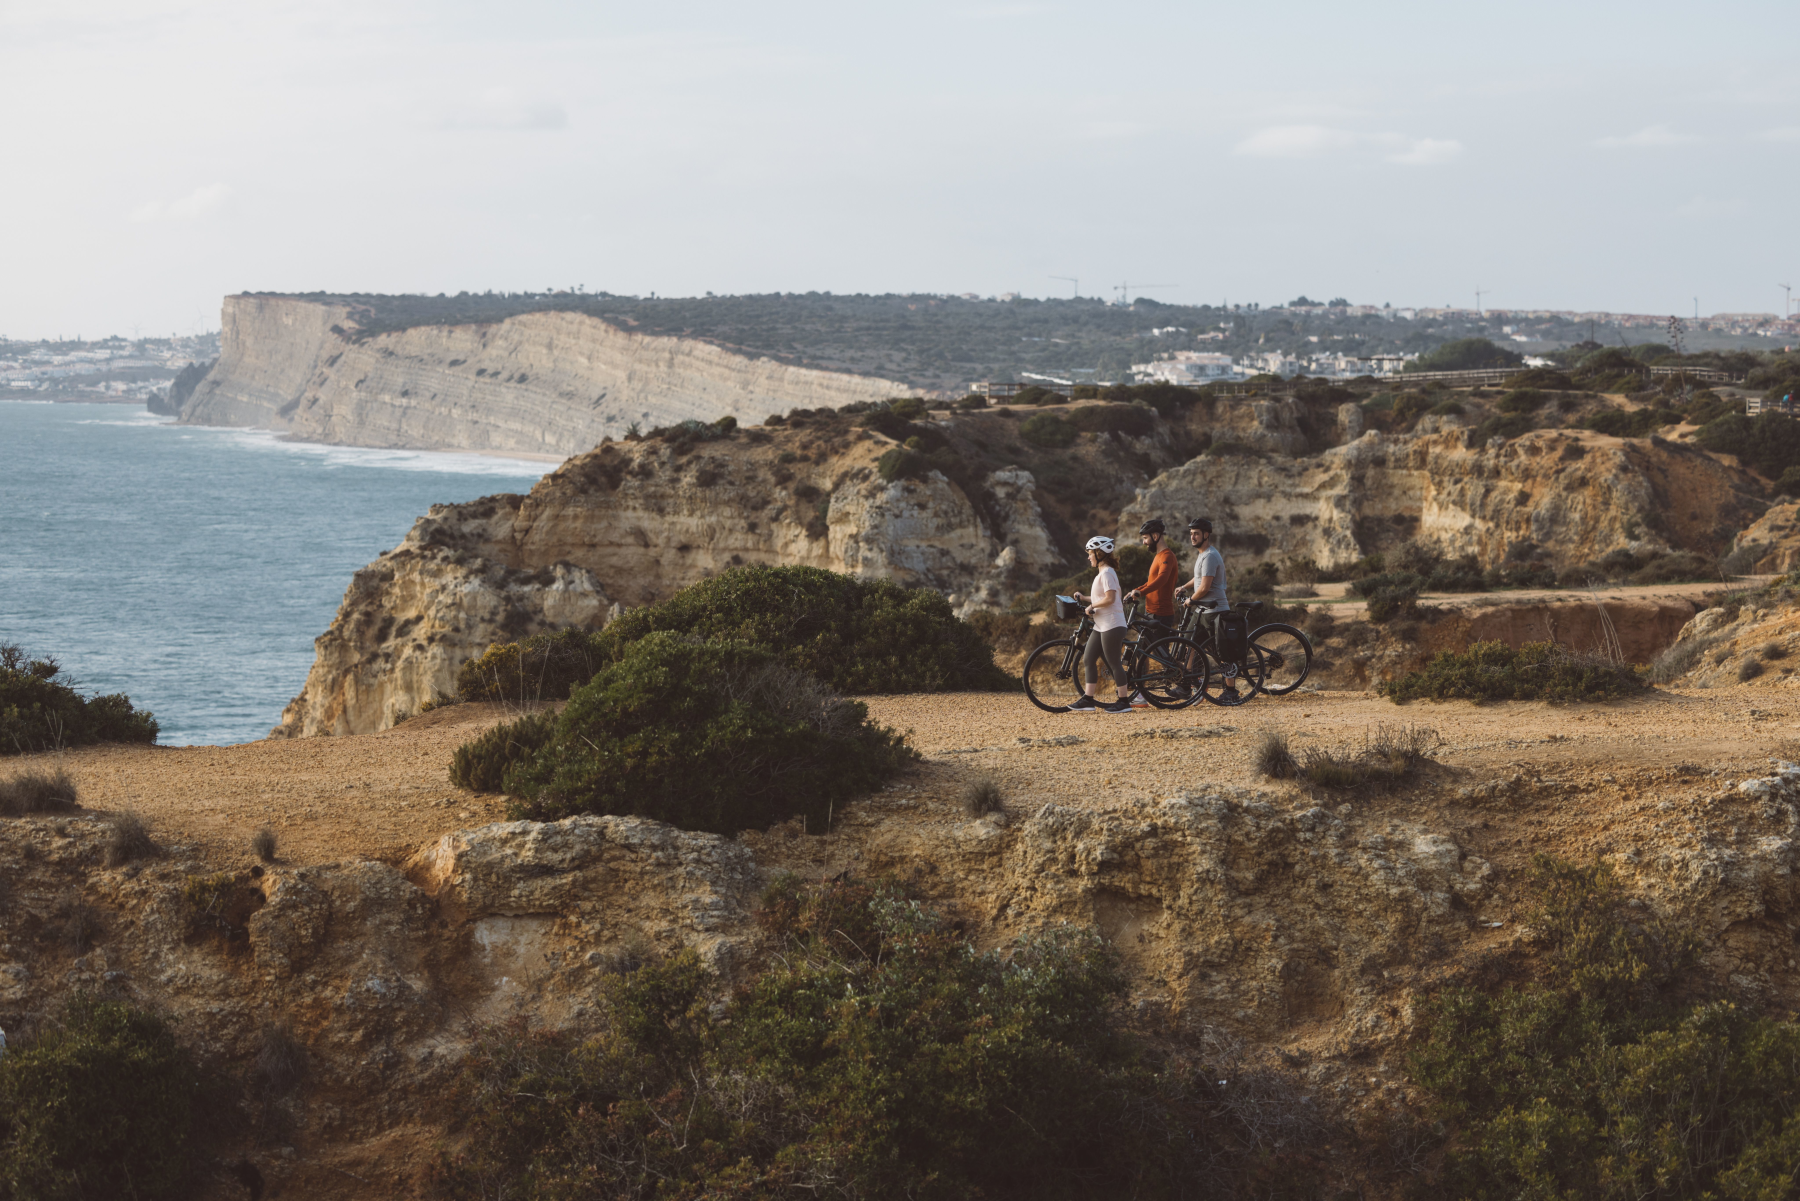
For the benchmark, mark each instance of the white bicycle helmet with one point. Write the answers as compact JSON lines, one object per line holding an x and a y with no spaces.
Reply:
{"x":1101,"y":543}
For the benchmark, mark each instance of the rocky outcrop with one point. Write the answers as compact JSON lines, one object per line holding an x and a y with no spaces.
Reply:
{"x":1573,"y":496}
{"x":634,"y":522}
{"x":540,"y":383}
{"x":1751,"y":640}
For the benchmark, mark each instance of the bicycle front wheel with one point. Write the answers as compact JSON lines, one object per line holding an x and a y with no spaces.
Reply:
{"x":1051,"y":676}
{"x":1171,"y":673}
{"x":1287,"y":657}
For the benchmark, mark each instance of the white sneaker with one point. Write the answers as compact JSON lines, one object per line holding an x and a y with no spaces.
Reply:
{"x":1138,"y":701}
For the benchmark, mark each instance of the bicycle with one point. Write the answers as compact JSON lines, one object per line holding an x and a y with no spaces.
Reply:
{"x":1159,"y":668}
{"x":1276,"y":660}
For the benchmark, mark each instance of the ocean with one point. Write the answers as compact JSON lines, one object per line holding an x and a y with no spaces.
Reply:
{"x":192,"y":567}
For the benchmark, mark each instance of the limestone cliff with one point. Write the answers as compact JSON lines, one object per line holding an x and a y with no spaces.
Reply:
{"x":1573,"y":495}
{"x":539,"y":383}
{"x":634,"y":522}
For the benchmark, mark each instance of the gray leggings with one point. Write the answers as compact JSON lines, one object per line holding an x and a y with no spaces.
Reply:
{"x":1109,"y":642}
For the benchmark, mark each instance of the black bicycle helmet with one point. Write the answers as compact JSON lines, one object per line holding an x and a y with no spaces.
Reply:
{"x":1201,"y":524}
{"x":1153,"y":526}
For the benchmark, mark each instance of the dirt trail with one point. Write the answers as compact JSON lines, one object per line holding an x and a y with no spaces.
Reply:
{"x":382,"y":795}
{"x":1338,"y":598}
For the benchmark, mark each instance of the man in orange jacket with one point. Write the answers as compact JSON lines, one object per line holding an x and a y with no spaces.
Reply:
{"x":1159,"y":590}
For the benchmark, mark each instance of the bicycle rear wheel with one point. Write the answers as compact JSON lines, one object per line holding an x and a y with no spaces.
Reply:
{"x":1171,"y":673}
{"x":1051,"y":676}
{"x":1233,"y":683}
{"x":1287,"y":657}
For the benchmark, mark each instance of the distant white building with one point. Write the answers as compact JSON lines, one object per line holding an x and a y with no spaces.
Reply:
{"x":1189,"y":367}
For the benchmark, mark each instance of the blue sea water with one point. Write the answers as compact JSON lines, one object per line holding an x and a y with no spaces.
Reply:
{"x":192,"y":567}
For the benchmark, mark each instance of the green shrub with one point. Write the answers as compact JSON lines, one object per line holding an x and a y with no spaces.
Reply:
{"x":879,"y":1052}
{"x":1447,"y":408}
{"x":719,"y":736}
{"x":1768,"y":443}
{"x":481,"y":764}
{"x":1136,"y":420}
{"x":859,"y":636}
{"x":1410,"y":407}
{"x":1521,"y":400}
{"x":1536,"y":671}
{"x":1047,"y":430}
{"x":1392,"y":604}
{"x":543,"y":667}
{"x":1602,"y":1079}
{"x":1465,"y":354}
{"x":101,"y":1105}
{"x":1632,"y":423}
{"x":1371,"y":584}
{"x":1032,"y":394}
{"x":1504,"y":425}
{"x":1789,"y":483}
{"x":904,"y":463}
{"x":1547,"y":378}
{"x":37,"y":713}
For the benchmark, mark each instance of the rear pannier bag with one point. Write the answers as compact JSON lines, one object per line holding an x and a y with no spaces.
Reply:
{"x":1232,"y":636}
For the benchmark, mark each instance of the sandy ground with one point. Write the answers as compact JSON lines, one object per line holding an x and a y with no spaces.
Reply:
{"x":383,"y":795}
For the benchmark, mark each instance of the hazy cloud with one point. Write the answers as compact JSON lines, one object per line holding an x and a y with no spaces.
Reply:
{"x":502,"y":108}
{"x":1709,"y":206}
{"x":197,"y":203}
{"x":1107,"y":131}
{"x":1318,"y":141}
{"x":1425,"y":152}
{"x":1650,"y":135}
{"x":1790,"y":134}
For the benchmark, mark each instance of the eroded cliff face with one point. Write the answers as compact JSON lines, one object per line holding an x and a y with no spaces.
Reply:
{"x":541,"y":383}
{"x":1572,"y":495}
{"x":633,"y":523}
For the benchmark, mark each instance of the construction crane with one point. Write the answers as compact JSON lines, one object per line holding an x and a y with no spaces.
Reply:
{"x":1072,"y":280}
{"x":1787,"y":301}
{"x":1124,"y":290}
{"x":1479,"y":293}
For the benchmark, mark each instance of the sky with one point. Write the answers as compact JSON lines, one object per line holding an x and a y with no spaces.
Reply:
{"x":161,"y":154}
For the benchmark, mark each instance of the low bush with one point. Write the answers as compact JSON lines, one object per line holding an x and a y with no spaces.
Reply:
{"x":40,"y":713}
{"x":1136,"y":420}
{"x":1536,"y":671}
{"x":481,"y":764}
{"x":39,"y":790}
{"x":1521,"y":400}
{"x":903,"y":463}
{"x":1273,"y":757}
{"x":1606,"y":1077}
{"x":879,"y":1055}
{"x":1387,"y":605}
{"x":1371,"y":584}
{"x":1009,"y":632}
{"x":718,"y":736}
{"x":1768,"y":443}
{"x":1503,"y":425}
{"x":262,"y":844}
{"x":1547,"y":378}
{"x":867,"y":636}
{"x":1047,"y":431}
{"x":101,"y":1104}
{"x":1447,"y":408}
{"x":1630,"y":423}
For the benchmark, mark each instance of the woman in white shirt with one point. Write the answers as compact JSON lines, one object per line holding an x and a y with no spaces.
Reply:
{"x":1106,"y":606}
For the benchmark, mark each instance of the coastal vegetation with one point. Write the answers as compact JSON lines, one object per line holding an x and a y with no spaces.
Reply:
{"x":854,"y":635}
{"x":39,"y":712}
{"x":877,"y":1054}
{"x":1536,"y":671}
{"x":712,"y":735}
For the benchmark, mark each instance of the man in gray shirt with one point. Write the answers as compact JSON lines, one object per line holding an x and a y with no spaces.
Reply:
{"x":1208,"y":584}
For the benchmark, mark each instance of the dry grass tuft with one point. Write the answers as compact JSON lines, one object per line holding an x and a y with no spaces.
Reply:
{"x":127,"y":838}
{"x":263,"y":844}
{"x":1386,"y":758}
{"x":1273,"y":757}
{"x":981,"y":796}
{"x":37,"y":791}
